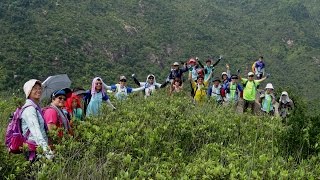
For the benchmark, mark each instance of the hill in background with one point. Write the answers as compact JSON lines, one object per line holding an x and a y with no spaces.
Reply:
{"x":107,"y":38}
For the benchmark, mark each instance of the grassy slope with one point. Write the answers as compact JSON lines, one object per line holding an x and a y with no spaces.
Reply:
{"x":170,"y":138}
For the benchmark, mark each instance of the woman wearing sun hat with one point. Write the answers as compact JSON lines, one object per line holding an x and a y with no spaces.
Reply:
{"x":32,"y":122}
{"x":267,"y":99}
{"x":285,"y":104}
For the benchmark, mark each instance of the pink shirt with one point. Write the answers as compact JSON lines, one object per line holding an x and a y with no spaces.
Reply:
{"x":51,"y":118}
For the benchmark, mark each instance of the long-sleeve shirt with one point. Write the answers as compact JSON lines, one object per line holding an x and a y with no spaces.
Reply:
{"x":122,"y":92}
{"x":32,"y":120}
{"x":177,"y":73}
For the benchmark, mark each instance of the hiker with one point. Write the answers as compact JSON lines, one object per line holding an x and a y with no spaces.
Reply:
{"x":226,"y":76}
{"x":200,"y":88}
{"x":216,"y":91}
{"x":150,"y":84}
{"x":285,"y":105}
{"x":54,"y":116}
{"x":267,"y":99}
{"x":250,"y":90}
{"x":196,"y":69}
{"x":259,"y":67}
{"x":94,"y":97}
{"x":176,"y":72}
{"x":73,"y":107}
{"x":32,"y":122}
{"x":233,"y":90}
{"x":209,"y":67}
{"x":176,"y":86}
{"x":121,"y":89}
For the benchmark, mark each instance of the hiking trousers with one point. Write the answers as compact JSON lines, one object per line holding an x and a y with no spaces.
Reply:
{"x":249,"y":104}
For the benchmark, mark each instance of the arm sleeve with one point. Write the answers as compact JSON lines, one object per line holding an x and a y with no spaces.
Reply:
{"x":209,"y":91}
{"x":240,"y":88}
{"x":158,"y":85}
{"x":229,"y":74}
{"x":244,"y":80}
{"x":130,"y":90}
{"x":193,"y":84}
{"x":107,"y":87}
{"x":200,"y":64}
{"x":32,"y":121}
{"x":185,"y":69}
{"x":170,"y":75}
{"x":113,"y":87}
{"x":164,"y":84}
{"x":216,"y":63}
{"x":136,"y":81}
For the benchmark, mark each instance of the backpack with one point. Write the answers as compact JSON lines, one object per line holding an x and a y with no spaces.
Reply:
{"x":14,"y":138}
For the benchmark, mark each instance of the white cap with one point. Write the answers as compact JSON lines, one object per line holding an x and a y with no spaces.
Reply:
{"x":284,"y":93}
{"x":250,"y":73}
{"x":176,"y":64}
{"x":269,"y":86}
{"x":27,"y":87}
{"x":224,"y":73}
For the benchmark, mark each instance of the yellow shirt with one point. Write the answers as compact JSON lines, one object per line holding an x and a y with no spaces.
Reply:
{"x":200,"y":91}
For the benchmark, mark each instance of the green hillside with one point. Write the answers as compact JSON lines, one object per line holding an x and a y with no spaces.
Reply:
{"x":170,"y":138}
{"x":108,"y":38}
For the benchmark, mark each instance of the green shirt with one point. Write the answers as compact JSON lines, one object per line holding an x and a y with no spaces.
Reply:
{"x":250,"y":91}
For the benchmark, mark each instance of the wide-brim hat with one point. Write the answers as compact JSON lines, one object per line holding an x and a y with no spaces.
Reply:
{"x":27,"y":87}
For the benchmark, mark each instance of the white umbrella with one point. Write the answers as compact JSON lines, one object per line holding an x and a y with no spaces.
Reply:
{"x":53,"y":83}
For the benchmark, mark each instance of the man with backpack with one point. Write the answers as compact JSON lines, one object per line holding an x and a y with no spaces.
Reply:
{"x":28,"y":126}
{"x":176,"y":72}
{"x":233,"y":90}
{"x":250,"y":90}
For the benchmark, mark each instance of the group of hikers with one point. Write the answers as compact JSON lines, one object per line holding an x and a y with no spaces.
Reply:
{"x":74,"y":105}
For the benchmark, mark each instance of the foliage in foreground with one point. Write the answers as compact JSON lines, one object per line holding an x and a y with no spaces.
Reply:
{"x":163,"y":138}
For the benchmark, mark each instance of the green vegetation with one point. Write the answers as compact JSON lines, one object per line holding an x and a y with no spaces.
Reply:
{"x":108,"y":38}
{"x":155,"y":140}
{"x":163,"y":138}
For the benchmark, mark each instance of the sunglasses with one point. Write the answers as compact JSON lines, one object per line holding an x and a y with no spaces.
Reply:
{"x":62,"y":98}
{"x":123,"y":80}
{"x":251,"y":75}
{"x":150,"y":78}
{"x":98,"y":83}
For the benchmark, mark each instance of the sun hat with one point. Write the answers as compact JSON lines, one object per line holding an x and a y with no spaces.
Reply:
{"x":27,"y":87}
{"x":250,"y":74}
{"x":269,"y":86}
{"x":175,"y":64}
{"x":123,"y":78}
